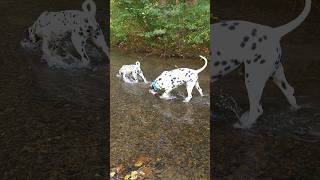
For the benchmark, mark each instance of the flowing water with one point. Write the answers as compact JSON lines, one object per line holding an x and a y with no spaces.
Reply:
{"x":172,"y":134}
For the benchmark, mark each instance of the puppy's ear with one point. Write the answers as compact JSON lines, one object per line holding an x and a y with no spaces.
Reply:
{"x":138,"y":63}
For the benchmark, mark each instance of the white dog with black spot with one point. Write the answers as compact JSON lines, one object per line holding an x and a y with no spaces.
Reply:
{"x":54,"y":26}
{"x":131,"y":71}
{"x":257,"y":47}
{"x":169,"y":80}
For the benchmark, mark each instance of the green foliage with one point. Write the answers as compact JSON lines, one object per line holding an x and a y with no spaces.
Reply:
{"x":169,"y":28}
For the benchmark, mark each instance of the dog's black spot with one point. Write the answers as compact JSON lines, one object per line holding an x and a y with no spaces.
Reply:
{"x":224,"y":63}
{"x":232,"y":27}
{"x":218,"y":53}
{"x":277,"y":62}
{"x":216,"y":63}
{"x":81,"y":33}
{"x":247,"y":75}
{"x":283,"y":85}
{"x":254,"y":46}
{"x":242,"y":45}
{"x":260,"y":39}
{"x":262,"y":61}
{"x":235,"y":61}
{"x":227,"y":68}
{"x":265,"y":37}
{"x":254,"y":32}
{"x":277,"y":49}
{"x":86,"y":20}
{"x":217,"y":76}
{"x":256,"y":58}
{"x":248,"y":61}
{"x":246,"y":39}
{"x":220,"y":72}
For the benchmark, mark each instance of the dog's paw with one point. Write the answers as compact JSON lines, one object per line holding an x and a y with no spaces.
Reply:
{"x":187,"y":100}
{"x":244,"y":122}
{"x":238,"y":125}
{"x":295,"y":108}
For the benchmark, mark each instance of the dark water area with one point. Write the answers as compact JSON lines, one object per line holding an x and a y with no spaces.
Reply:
{"x":173,"y":135}
{"x":53,"y":121}
{"x":283,"y":144}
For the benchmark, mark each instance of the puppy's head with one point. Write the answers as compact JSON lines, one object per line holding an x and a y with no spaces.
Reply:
{"x":31,"y":36}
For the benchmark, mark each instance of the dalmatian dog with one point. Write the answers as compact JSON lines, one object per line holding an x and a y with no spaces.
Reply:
{"x":51,"y":27}
{"x":169,"y":80}
{"x":257,"y":47}
{"x":132,"y":70}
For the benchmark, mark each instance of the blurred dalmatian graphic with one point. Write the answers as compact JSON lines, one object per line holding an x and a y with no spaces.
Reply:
{"x":130,"y":73}
{"x":257,"y":47}
{"x":169,"y":80}
{"x":54,"y":27}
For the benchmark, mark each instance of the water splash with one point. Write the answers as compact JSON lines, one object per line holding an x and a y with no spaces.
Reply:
{"x":63,"y":54}
{"x":227,"y":102}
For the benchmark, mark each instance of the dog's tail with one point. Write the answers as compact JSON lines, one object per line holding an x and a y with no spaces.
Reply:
{"x":284,"y":29}
{"x":205,"y":64}
{"x":89,"y":4}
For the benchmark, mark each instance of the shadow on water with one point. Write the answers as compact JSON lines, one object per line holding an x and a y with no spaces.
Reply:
{"x":171,"y":133}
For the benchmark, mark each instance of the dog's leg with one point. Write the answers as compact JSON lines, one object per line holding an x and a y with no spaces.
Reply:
{"x":255,"y":82}
{"x":80,"y":43}
{"x":189,"y":86}
{"x":99,"y":40}
{"x":166,"y":94}
{"x":199,"y":88}
{"x":125,"y":79}
{"x":135,"y":77}
{"x":45,"y":48}
{"x":142,"y":76}
{"x":280,"y":80}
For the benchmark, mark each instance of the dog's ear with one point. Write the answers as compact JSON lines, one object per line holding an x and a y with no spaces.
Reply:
{"x":138,"y":63}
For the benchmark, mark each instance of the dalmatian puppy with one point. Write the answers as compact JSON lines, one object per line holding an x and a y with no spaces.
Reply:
{"x":132,"y":70}
{"x":258,"y":48}
{"x":169,"y":80}
{"x":51,"y":27}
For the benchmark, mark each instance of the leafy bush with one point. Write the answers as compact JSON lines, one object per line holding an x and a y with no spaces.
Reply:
{"x":147,"y":25}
